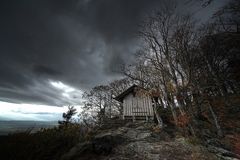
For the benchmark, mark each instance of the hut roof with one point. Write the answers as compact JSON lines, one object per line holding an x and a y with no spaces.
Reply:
{"x":121,"y":96}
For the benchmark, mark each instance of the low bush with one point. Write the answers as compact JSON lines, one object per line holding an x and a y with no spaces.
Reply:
{"x":46,"y":144}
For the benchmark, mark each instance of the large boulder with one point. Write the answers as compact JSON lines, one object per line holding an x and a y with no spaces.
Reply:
{"x":104,"y":143}
{"x":101,"y":144}
{"x":136,"y":141}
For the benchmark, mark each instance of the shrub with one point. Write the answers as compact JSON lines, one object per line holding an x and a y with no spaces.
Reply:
{"x":46,"y":144}
{"x":183,"y":120}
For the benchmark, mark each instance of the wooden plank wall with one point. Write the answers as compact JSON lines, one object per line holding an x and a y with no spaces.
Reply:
{"x":137,"y":106}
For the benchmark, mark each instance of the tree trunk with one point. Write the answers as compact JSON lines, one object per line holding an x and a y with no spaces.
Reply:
{"x":159,"y":119}
{"x":219,"y":130}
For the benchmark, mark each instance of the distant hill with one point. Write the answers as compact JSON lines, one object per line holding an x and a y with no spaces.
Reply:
{"x":16,"y":126}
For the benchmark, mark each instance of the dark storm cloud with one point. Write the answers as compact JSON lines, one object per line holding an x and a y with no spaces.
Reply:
{"x":40,"y":69}
{"x":78,"y":42}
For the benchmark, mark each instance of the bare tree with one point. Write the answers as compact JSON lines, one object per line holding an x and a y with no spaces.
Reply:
{"x":228,"y":17}
{"x":158,"y":32}
{"x":97,"y":100}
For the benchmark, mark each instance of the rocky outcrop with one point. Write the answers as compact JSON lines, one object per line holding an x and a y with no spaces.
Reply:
{"x":222,"y":151}
{"x":137,"y":141}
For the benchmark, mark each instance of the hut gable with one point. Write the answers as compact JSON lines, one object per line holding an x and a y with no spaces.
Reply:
{"x":130,"y":90}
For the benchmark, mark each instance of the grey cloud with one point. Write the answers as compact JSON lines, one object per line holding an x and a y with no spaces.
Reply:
{"x":40,"y":69}
{"x":81,"y":43}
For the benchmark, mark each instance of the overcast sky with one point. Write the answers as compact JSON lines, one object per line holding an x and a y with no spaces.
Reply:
{"x":53,"y":50}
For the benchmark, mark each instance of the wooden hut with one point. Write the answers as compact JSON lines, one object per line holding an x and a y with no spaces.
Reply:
{"x":137,"y":104}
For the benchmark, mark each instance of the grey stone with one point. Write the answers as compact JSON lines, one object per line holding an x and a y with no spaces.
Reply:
{"x":136,"y":142}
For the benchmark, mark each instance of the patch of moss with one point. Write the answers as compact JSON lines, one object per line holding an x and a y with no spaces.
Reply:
{"x":193,"y":140}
